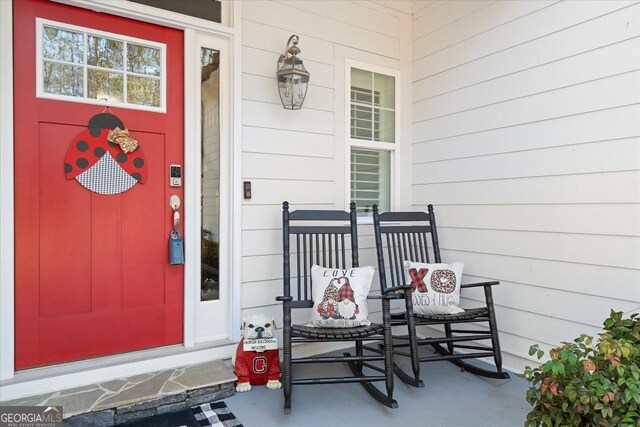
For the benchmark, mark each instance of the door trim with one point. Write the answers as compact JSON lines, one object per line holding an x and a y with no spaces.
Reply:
{"x":7,"y":323}
{"x":146,"y":14}
{"x":166,"y":18}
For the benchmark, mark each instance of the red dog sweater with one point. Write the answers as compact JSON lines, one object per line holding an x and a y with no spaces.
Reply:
{"x":256,"y":368}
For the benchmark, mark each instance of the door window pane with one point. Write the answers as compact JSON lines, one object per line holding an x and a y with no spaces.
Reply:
{"x":62,"y":45}
{"x":143,"y":91}
{"x":105,"y":53}
{"x":210,"y":140}
{"x":143,"y":60}
{"x":118,"y":71}
{"x":61,"y":79}
{"x":104,"y":85}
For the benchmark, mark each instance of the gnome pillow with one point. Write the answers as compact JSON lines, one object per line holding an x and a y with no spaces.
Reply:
{"x":436,"y":287}
{"x":340,"y":296}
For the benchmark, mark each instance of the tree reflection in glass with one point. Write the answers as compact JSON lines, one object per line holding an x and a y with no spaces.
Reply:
{"x":143,"y":91}
{"x":143,"y":60}
{"x":104,"y":53}
{"x":69,"y":56}
{"x":62,"y":79}
{"x":62,"y":45}
{"x":104,"y":85}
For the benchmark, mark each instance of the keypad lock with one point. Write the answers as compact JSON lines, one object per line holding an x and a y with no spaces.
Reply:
{"x":175,"y":176}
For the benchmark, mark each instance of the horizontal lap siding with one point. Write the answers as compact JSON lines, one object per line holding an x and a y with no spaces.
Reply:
{"x":291,"y":155}
{"x":526,"y":132}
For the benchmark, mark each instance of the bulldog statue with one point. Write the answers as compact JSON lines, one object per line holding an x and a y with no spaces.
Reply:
{"x":260,"y":366}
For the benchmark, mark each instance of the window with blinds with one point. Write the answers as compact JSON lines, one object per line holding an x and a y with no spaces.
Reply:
{"x":372,"y":138}
{"x":370,"y":179}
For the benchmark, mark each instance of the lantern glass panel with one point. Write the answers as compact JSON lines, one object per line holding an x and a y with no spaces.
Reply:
{"x":293,"y":82}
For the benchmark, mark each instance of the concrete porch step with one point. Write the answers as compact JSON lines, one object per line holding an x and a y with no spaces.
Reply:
{"x":125,"y":399}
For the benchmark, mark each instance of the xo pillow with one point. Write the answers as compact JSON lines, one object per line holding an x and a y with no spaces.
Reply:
{"x":340,"y":296}
{"x":436,"y":287}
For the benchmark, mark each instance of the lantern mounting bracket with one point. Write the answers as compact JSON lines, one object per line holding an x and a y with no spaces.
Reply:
{"x":290,"y":49}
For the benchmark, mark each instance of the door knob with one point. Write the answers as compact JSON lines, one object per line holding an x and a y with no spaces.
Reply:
{"x":174,"y":202}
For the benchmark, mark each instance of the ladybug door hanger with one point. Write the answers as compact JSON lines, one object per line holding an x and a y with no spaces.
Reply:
{"x":104,"y":158}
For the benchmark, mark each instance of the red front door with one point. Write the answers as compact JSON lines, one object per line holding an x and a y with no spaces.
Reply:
{"x":92,"y":270}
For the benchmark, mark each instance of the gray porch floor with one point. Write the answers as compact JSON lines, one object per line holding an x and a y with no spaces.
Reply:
{"x":450,"y":398}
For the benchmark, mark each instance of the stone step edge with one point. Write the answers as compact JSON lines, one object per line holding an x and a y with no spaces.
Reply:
{"x":156,"y":406}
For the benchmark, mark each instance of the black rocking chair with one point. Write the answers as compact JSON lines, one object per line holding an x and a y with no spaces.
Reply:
{"x":402,"y":236}
{"x":325,"y":238}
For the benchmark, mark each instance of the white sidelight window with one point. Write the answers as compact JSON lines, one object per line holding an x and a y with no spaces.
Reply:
{"x":372,"y":135}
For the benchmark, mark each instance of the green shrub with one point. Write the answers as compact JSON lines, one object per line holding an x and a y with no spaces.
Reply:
{"x":588,"y":382}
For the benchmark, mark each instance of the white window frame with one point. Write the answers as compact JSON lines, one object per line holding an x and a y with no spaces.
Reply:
{"x":393,"y":148}
{"x":40,"y":92}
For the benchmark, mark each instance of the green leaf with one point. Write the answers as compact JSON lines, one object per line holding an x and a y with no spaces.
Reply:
{"x":533,"y":349}
{"x":573,"y":359}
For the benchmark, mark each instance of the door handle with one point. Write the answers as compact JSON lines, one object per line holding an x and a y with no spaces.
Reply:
{"x":174,"y":203}
{"x":176,"y":221}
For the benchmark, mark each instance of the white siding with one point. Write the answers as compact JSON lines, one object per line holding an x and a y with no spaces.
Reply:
{"x":526,"y":132}
{"x":522,"y":128}
{"x":299,"y":156}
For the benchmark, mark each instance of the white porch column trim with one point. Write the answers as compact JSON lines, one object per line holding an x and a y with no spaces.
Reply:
{"x":191,"y":200}
{"x":236,"y":192}
{"x":7,"y":326}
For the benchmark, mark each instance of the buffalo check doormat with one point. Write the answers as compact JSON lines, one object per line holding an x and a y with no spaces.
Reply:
{"x":215,"y":414}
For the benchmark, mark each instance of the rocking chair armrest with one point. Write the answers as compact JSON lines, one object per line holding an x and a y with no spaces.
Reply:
{"x":284,"y":298}
{"x":387,"y":296}
{"x":394,"y":289}
{"x":475,"y":285}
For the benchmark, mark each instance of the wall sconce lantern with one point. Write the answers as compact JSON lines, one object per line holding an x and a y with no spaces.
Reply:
{"x":293,"y":78}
